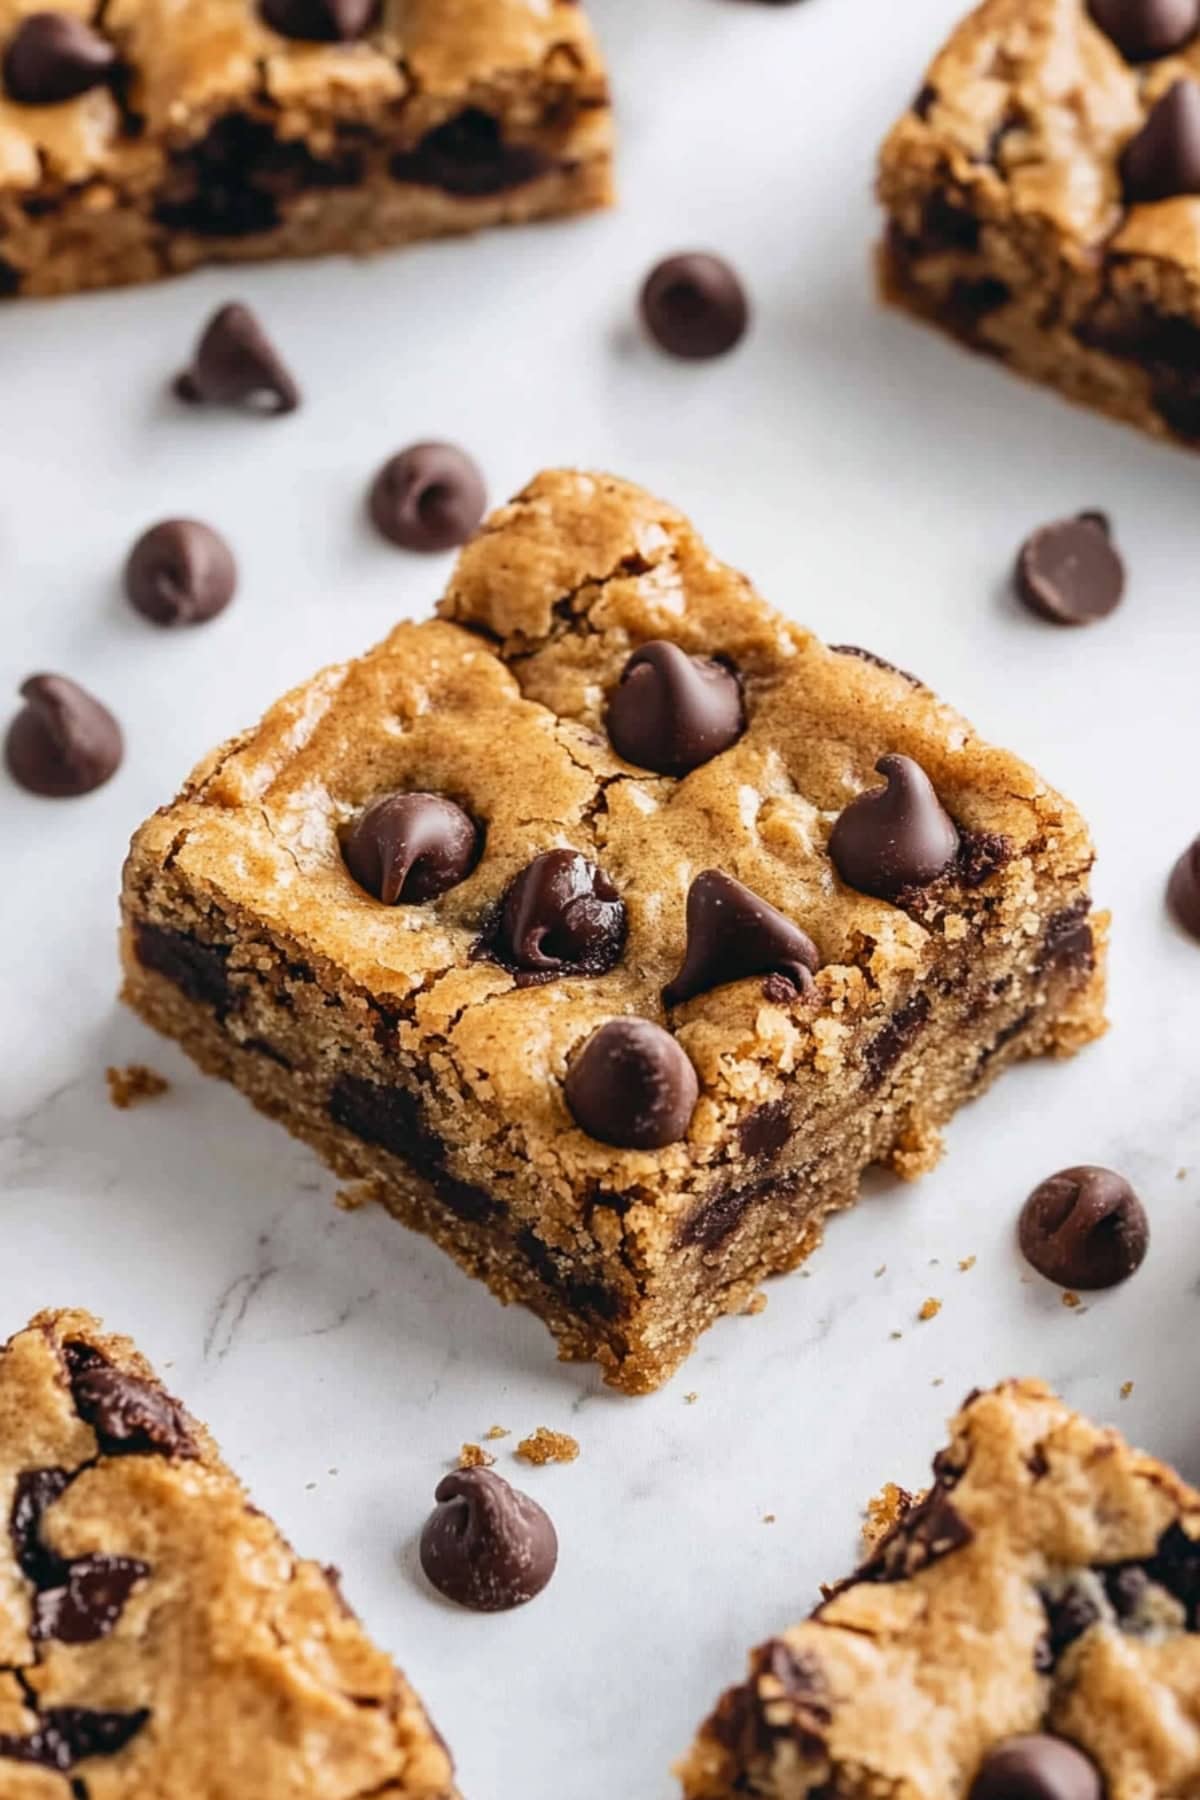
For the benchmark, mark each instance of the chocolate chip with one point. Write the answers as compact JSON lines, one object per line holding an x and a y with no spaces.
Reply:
{"x":672,"y":712}
{"x":694,"y":306}
{"x":62,"y":742}
{"x":561,"y":916}
{"x":235,"y":364}
{"x":894,"y":837}
{"x":1085,"y":1228}
{"x":430,"y":497}
{"x":36,"y":1491}
{"x":1068,"y":1615}
{"x":89,"y":1604}
{"x":321,"y":21}
{"x":880,"y":662}
{"x":180,"y":573}
{"x":1163,"y":160}
{"x":1183,"y":889}
{"x":1070,"y":572}
{"x":198,"y":969}
{"x":1175,"y":1566}
{"x":467,"y":156}
{"x":66,"y":1735}
{"x":1068,"y":941}
{"x":1144,"y":29}
{"x":633,"y":1086}
{"x":1126,"y":1589}
{"x":935,"y":1528}
{"x":732,"y":933}
{"x":901,"y":1031}
{"x":763,"y":1133}
{"x":409,"y":848}
{"x":1036,"y":1767}
{"x":53,"y":56}
{"x":130,"y":1416}
{"x":487,"y":1546}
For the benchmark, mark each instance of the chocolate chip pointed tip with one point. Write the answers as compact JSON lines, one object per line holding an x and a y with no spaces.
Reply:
{"x":894,"y":837}
{"x":487,"y":1546}
{"x":1163,"y":160}
{"x":633,"y":1086}
{"x":1145,"y":29}
{"x":672,"y":712}
{"x":321,"y":21}
{"x":430,"y":497}
{"x":410,"y":848}
{"x":561,"y":916}
{"x":180,"y":572}
{"x":1084,"y":1228}
{"x":732,"y":933}
{"x":1036,"y":1767}
{"x":694,"y":306}
{"x":1070,"y":572}
{"x":1183,"y":890}
{"x":55,"y":56}
{"x":63,"y":742}
{"x":235,"y":364}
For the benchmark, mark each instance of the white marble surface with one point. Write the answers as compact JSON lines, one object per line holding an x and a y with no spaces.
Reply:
{"x":876,"y":483}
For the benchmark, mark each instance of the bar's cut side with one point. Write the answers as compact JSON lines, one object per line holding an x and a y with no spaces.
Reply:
{"x":157,"y":1635}
{"x":422,"y":1048}
{"x":1032,"y":1626}
{"x":216,"y":138}
{"x":1025,"y":220}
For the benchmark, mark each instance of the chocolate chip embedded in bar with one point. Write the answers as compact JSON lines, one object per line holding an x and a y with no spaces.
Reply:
{"x":149,"y":136}
{"x":156,"y":1632}
{"x":1030,"y":1631}
{"x":609,"y":926}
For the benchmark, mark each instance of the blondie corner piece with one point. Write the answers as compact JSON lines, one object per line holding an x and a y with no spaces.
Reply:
{"x":143,"y":137}
{"x":645,"y":1037}
{"x":158,"y":1638}
{"x":1042,"y":201}
{"x":1032,"y":1627}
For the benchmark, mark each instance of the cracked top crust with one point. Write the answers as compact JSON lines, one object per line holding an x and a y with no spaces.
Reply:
{"x":498,"y":705}
{"x":1050,"y":1581}
{"x":224,"y":1663}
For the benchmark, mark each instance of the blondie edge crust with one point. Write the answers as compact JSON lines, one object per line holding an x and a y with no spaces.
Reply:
{"x":158,"y":1638}
{"x":425,"y":1061}
{"x":215,"y":137}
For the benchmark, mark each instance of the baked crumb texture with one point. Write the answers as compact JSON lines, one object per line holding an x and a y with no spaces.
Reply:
{"x":158,"y":1638}
{"x":416,"y":1065}
{"x":1048,"y":1582}
{"x":223,"y":141}
{"x":130,"y":1085}
{"x":1007,"y":224}
{"x":546,"y":1446}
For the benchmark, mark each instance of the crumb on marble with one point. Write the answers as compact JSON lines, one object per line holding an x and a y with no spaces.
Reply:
{"x":474,"y":1456}
{"x":354,"y":1197}
{"x":966,"y":1263}
{"x":768,"y":1518}
{"x":545,"y":1446}
{"x":930,"y":1309}
{"x":884,"y":1512}
{"x":881,"y":1270}
{"x":690,"y":1399}
{"x":1071,"y":1299}
{"x":134,"y":1083}
{"x":495,"y":1432}
{"x":1181,"y":1175}
{"x":756,"y":1304}
{"x":1126,"y":1389}
{"x":895,"y":1334}
{"x":938,"y":1381}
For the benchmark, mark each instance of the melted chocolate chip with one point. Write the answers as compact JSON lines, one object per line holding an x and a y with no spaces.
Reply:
{"x":321,"y":21}
{"x":36,"y":1491}
{"x":732,"y":933}
{"x":410,"y":848}
{"x":1070,"y":572}
{"x":763,"y":1133}
{"x":90,"y":1602}
{"x":487,"y":1546}
{"x":633,"y":1086}
{"x":694,"y":306}
{"x":468,"y":157}
{"x":129,"y":1415}
{"x":894,"y":837}
{"x":561,"y":916}
{"x":198,"y":969}
{"x":935,"y":1528}
{"x":787,"y":1699}
{"x":1036,"y":1767}
{"x":429,"y":497}
{"x":879,"y":662}
{"x":901,"y":1031}
{"x":1068,"y":941}
{"x":180,"y":572}
{"x":1163,"y":160}
{"x":392,"y":1118}
{"x":55,"y":56}
{"x":1144,"y":29}
{"x":1085,"y":1228}
{"x":722,"y":1213}
{"x":1183,"y":890}
{"x":235,"y":364}
{"x":672,"y":712}
{"x":63,"y":742}
{"x":67,"y":1735}
{"x":1068,"y":1615}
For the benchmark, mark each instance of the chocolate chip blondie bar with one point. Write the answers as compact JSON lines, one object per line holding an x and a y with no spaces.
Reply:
{"x":609,"y":926}
{"x":1042,"y":198}
{"x":157,"y":1635}
{"x":142,"y":137}
{"x":1030,"y":1628}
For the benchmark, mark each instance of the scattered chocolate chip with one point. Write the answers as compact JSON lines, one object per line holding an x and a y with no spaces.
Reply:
{"x":1163,"y":160}
{"x":633,"y":1086}
{"x":1070,"y":572}
{"x":36,"y":1492}
{"x":54,"y":56}
{"x":1036,"y":1767}
{"x":1144,"y":29}
{"x":671,"y":712}
{"x":180,"y":572}
{"x":561,"y":916}
{"x":430,"y":497}
{"x":894,"y":837}
{"x":321,"y":21}
{"x":1183,"y":890}
{"x":1085,"y":1228}
{"x":62,"y":742}
{"x":235,"y":364}
{"x":90,"y":1602}
{"x":731,"y":933}
{"x":130,"y":1416}
{"x":65,"y":1735}
{"x":487,"y":1546}
{"x":409,"y":848}
{"x":695,"y":306}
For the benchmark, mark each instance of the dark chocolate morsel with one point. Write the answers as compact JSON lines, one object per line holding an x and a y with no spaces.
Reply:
{"x":1085,"y":1228}
{"x":1144,"y":29}
{"x":66,"y":1735}
{"x":62,"y":742}
{"x":694,"y":306}
{"x":487,"y":1546}
{"x":1163,"y":160}
{"x":321,"y":21}
{"x":633,"y":1086}
{"x":429,"y":497}
{"x":180,"y":572}
{"x":731,"y":933}
{"x":1036,"y":1767}
{"x":91,"y":1600}
{"x":1070,"y":572}
{"x":235,"y":364}
{"x":1183,"y":890}
{"x":411,"y":847}
{"x":671,"y":712}
{"x":561,"y":916}
{"x":894,"y":837}
{"x":129,"y":1415}
{"x":54,"y":56}
{"x":36,"y":1492}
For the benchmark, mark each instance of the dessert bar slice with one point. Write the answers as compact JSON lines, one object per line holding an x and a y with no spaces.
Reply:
{"x":158,"y":1638}
{"x":1031,"y":1628}
{"x":579,"y":926}
{"x":141,"y":137}
{"x":1042,"y":199}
